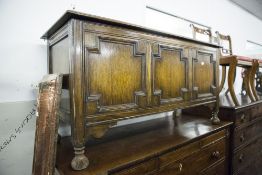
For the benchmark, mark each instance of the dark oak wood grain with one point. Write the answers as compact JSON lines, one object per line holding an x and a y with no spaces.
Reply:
{"x":151,"y":147}
{"x":217,"y":169}
{"x":252,"y":168}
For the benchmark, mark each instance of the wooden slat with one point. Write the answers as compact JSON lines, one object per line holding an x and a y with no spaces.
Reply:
{"x":47,"y":125}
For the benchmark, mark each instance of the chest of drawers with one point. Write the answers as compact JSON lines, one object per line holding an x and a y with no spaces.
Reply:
{"x":189,"y":145}
{"x":246,"y":140}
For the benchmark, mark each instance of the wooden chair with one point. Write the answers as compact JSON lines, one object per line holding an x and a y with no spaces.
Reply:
{"x":47,"y":125}
{"x":232,"y":61}
{"x":206,"y":32}
{"x":259,"y":81}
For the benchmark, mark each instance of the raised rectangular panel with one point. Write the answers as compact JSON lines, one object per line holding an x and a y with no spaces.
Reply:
{"x":204,"y":74}
{"x":115,"y":73}
{"x":59,"y":57}
{"x":170,"y":75}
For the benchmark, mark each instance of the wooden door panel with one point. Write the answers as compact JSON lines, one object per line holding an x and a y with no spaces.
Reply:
{"x":170,"y":72}
{"x":115,"y":73}
{"x":204,"y":74}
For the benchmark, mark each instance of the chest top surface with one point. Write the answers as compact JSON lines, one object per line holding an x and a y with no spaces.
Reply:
{"x":144,"y":141}
{"x":87,"y":17}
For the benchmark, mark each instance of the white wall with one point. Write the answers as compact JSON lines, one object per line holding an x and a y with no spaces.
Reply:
{"x":223,"y":16}
{"x":23,"y":53}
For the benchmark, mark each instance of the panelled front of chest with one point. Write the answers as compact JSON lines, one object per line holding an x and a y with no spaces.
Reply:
{"x":205,"y":156}
{"x":125,"y":69}
{"x":129,"y":70}
{"x":124,"y":72}
{"x":246,"y":137}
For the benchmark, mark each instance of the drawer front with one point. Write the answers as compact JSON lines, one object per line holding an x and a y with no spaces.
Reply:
{"x":256,"y":112}
{"x":254,"y":168}
{"x":189,"y":149}
{"x":246,"y":134}
{"x":242,"y":118}
{"x":197,"y":161}
{"x":217,"y":169}
{"x":210,"y":155}
{"x":246,"y":155}
{"x":248,"y":115}
{"x":145,"y":168}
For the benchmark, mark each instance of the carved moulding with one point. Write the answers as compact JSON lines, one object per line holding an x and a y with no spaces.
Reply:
{"x":197,"y":59}
{"x":184,"y":94}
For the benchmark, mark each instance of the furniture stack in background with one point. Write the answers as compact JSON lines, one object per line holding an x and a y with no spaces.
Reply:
{"x":245,"y":111}
{"x":246,"y":135}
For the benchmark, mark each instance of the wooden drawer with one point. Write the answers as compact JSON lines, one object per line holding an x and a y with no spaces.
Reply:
{"x":248,"y":115}
{"x":189,"y":149}
{"x":244,"y":135}
{"x":242,"y":118}
{"x":195,"y":162}
{"x":145,"y":168}
{"x":244,"y":156}
{"x":200,"y":154}
{"x":209,"y":155}
{"x":217,"y":169}
{"x":256,"y":112}
{"x":254,"y":167}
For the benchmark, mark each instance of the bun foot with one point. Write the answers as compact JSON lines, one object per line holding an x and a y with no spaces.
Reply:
{"x":80,"y":161}
{"x":214,"y":119}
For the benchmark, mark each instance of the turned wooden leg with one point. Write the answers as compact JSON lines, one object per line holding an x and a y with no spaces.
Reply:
{"x":223,"y":78}
{"x":77,"y":94}
{"x":176,"y":113}
{"x":231,"y":79}
{"x":253,"y":71}
{"x":215,"y":109}
{"x":247,"y":87}
{"x":214,"y":119}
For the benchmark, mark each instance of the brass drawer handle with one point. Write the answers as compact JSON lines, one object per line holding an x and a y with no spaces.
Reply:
{"x":241,"y":158}
{"x":216,"y":154}
{"x":242,"y":118}
{"x":242,"y":138}
{"x":180,"y":167}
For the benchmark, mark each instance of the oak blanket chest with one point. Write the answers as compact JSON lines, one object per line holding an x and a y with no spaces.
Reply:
{"x":116,"y":71}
